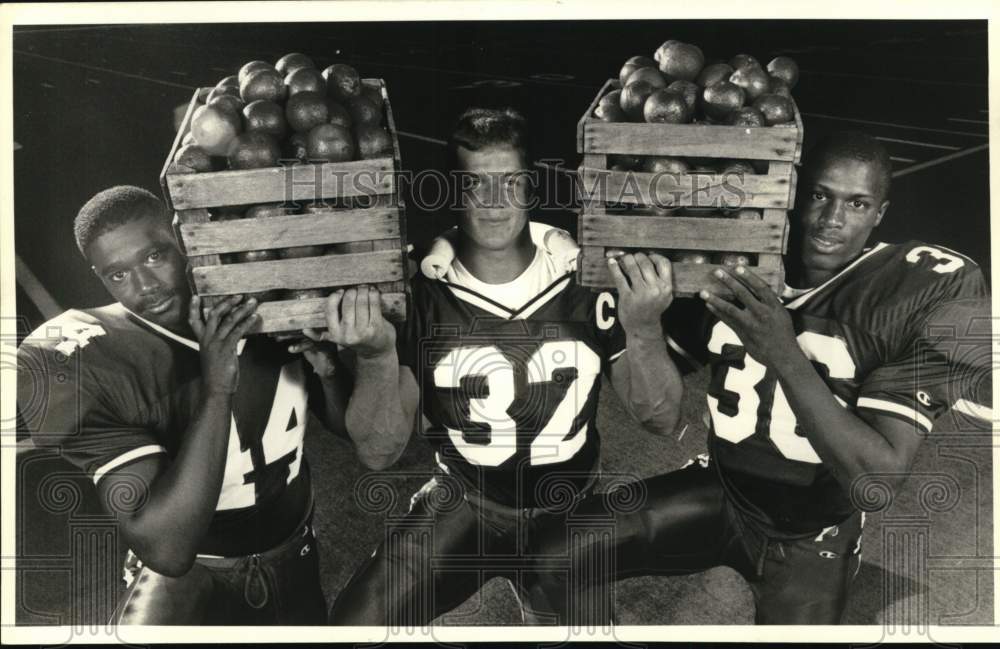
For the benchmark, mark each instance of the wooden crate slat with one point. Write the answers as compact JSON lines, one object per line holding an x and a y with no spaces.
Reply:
{"x":290,"y":230}
{"x":800,"y":134}
{"x":181,"y":132}
{"x":688,"y":278}
{"x":680,"y":233}
{"x":390,"y":120}
{"x":771,"y":263}
{"x":701,"y":190}
{"x":378,"y":231}
{"x":785,"y":170}
{"x":299,"y":182}
{"x":191,"y":217}
{"x":581,"y":126}
{"x":305,"y":272}
{"x":294,"y":315}
{"x":390,"y":244}
{"x":689,"y":140}
{"x":779,"y":218}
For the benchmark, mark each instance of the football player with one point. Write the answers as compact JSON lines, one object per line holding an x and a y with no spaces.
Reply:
{"x":191,"y":432}
{"x":504,"y":354}
{"x":815,"y":394}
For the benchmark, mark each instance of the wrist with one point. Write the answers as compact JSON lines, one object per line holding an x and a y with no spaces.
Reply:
{"x":792,"y":362}
{"x":376,"y":357}
{"x":645,"y":332}
{"x":217,"y":396}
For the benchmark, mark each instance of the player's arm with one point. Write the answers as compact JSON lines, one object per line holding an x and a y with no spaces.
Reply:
{"x":333,"y":374}
{"x":852,"y":446}
{"x":164,"y":507}
{"x":645,"y":377}
{"x":380,"y":412}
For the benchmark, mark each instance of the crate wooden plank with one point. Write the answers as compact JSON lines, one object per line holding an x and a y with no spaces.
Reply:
{"x":680,"y":233}
{"x":299,"y":182}
{"x":305,"y":272}
{"x":690,"y":140}
{"x":389,"y":244}
{"x":290,"y":230}
{"x":295,"y":315}
{"x":184,"y":218}
{"x":581,"y":126}
{"x":780,"y":218}
{"x":688,"y":278}
{"x":390,"y":120}
{"x":701,"y":190}
{"x":771,"y":263}
{"x":181,"y":132}
{"x":799,"y":135}
{"x":785,"y":170}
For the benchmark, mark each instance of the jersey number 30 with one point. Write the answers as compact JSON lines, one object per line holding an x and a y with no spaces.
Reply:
{"x":555,"y":441}
{"x":743,"y":388}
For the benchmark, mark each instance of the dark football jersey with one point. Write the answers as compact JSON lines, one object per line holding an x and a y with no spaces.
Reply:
{"x":903,"y":332}
{"x":511,"y":394}
{"x":109,"y":388}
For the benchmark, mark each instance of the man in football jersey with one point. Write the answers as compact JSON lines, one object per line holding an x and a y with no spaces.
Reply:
{"x":505,"y":354}
{"x":813,"y":394}
{"x":191,"y":432}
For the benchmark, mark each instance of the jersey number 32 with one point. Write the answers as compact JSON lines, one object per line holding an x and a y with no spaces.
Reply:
{"x":555,"y":441}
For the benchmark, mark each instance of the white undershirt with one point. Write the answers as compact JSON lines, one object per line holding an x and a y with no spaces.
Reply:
{"x":539,"y":275}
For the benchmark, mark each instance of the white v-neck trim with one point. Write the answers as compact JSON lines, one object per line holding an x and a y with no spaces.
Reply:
{"x":187,"y":342}
{"x":540,"y":279}
{"x":803,"y":298}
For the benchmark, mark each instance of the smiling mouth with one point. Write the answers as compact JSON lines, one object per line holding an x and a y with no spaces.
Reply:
{"x":824,"y":243}
{"x":160,"y":307}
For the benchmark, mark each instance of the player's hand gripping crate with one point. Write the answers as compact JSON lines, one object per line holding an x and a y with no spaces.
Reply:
{"x":745,"y":214}
{"x":351,"y":215}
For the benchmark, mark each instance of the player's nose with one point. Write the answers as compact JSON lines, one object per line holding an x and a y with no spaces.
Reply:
{"x":146,"y":282}
{"x":833,"y":214}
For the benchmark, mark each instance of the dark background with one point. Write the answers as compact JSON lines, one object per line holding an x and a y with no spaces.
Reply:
{"x":94,"y":106}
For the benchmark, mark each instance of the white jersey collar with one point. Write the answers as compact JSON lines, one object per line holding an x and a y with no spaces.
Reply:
{"x":187,"y":342}
{"x":802,"y":298}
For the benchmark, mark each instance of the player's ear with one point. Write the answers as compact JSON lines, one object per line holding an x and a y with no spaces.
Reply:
{"x":883,"y":208}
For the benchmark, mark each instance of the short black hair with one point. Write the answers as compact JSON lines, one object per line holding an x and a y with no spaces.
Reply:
{"x":482,"y":128}
{"x":112,"y":207}
{"x":853,"y":145}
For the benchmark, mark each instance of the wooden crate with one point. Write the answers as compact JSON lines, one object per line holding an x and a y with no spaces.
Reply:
{"x":773,"y":192}
{"x":370,"y":241}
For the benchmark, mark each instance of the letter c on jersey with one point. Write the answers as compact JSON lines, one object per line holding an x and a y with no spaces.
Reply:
{"x":605,"y":304}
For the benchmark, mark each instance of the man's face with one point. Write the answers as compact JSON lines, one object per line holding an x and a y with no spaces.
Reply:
{"x":836,"y":211}
{"x":494,"y":196}
{"x":141,"y":266}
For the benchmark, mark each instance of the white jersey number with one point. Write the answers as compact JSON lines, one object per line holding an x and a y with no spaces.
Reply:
{"x":947,"y":262}
{"x":745,"y":382}
{"x":278,"y":454}
{"x":553,"y":443}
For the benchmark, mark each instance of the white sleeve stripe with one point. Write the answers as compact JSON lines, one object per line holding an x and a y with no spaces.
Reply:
{"x":615,"y":356}
{"x":125,"y":458}
{"x":973,"y":409}
{"x":683,"y":353}
{"x":889,"y":406}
